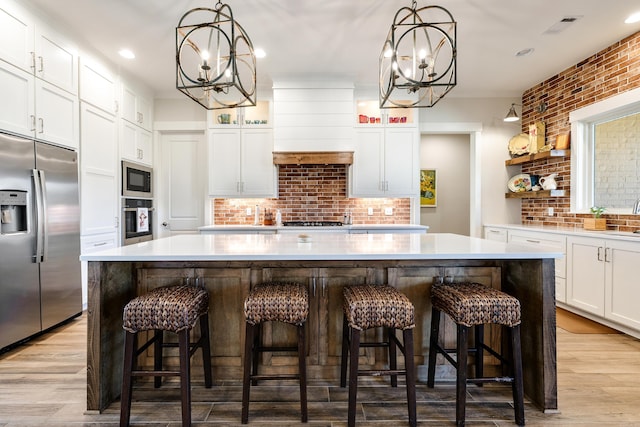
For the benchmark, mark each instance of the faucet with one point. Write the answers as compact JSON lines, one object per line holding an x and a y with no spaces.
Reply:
{"x":636,"y":207}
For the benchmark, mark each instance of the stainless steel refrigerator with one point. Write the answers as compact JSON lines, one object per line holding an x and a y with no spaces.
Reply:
{"x":40,"y":283}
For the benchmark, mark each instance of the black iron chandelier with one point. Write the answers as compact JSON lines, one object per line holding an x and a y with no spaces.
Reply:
{"x":418,"y":60}
{"x":215,"y":60}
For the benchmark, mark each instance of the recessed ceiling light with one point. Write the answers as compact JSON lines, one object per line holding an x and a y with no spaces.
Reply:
{"x":126,"y":53}
{"x":260,"y":53}
{"x":633,"y":18}
{"x":525,"y":52}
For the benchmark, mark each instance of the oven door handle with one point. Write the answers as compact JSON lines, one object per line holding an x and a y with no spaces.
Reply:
{"x":136,"y":209}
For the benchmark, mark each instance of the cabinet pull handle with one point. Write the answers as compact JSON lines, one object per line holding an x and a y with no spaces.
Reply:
{"x":99,"y":244}
{"x":324,"y":286}
{"x":533,"y":241}
{"x":41,"y":70}
{"x":599,"y":253}
{"x":607,"y":257}
{"x":41,"y":121}
{"x":33,"y":61}
{"x":33,"y":123}
{"x":313,"y":286}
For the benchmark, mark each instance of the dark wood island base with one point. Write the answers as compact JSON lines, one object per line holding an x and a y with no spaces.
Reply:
{"x":113,"y":283}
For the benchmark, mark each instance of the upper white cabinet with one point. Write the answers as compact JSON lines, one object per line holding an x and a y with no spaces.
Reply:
{"x":37,"y":49}
{"x":244,"y":117}
{"x":241,"y":163}
{"x":136,"y":124}
{"x":136,"y":106}
{"x":98,"y":85}
{"x":385,"y":162}
{"x":135,"y":143}
{"x":38,"y":109}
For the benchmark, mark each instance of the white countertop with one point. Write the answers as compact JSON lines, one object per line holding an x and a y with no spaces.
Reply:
{"x":279,"y":229}
{"x":575,"y":231}
{"x":322,"y":246}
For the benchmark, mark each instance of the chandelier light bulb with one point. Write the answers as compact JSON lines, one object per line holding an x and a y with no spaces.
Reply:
{"x":388,"y":53}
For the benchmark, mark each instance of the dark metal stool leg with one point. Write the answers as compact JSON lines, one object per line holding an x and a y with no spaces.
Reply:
{"x":461,"y":374}
{"x":125,"y":395}
{"x":345,"y":353}
{"x":393,"y":355}
{"x":433,"y":346}
{"x":302,"y":372}
{"x":205,"y":344}
{"x":516,"y":360}
{"x":354,"y":349}
{"x":246,"y":378}
{"x":410,"y":375}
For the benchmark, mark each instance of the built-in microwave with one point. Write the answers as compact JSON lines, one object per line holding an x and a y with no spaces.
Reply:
{"x":137,"y":180}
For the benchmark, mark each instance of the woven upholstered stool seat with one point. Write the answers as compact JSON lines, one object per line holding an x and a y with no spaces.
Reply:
{"x":367,"y":306}
{"x":472,"y":304}
{"x":373,"y":306}
{"x":174,"y":309}
{"x":277,"y":302}
{"x":285,"y":302}
{"x":170,"y":308}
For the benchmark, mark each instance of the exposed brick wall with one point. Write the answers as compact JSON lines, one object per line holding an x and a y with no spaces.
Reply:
{"x":313,"y":193}
{"x":609,"y":72}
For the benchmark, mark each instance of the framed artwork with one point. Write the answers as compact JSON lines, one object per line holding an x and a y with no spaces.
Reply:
{"x":428,"y":188}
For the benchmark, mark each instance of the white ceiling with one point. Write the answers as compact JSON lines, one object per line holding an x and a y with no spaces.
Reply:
{"x":343,"y":38}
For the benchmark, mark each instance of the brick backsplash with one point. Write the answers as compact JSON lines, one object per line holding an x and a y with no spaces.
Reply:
{"x":609,"y":72}
{"x":313,"y":193}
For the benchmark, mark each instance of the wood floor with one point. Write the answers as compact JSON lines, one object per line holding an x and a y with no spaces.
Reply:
{"x":43,"y":383}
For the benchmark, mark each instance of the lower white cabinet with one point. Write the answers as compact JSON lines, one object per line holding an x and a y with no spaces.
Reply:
{"x":553,"y":242}
{"x":597,"y":278}
{"x":603,"y":278}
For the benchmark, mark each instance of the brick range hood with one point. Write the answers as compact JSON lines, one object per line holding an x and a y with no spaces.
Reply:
{"x":313,"y":158}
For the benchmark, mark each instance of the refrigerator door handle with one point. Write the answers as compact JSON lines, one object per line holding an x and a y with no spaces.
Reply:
{"x":45,"y":219}
{"x":41,"y":216}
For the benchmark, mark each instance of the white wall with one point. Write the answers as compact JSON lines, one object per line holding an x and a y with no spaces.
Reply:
{"x":492,"y":150}
{"x":450,"y":156}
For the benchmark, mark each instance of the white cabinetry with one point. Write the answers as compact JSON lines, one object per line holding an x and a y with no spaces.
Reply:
{"x":36,"y":49}
{"x":385,"y":162}
{"x":37,"y":109}
{"x":99,"y":173}
{"x":495,"y":234}
{"x":241,"y":163}
{"x":549,"y":241}
{"x":136,"y":106}
{"x":135,"y":143}
{"x":603,"y":278}
{"x":98,"y":85}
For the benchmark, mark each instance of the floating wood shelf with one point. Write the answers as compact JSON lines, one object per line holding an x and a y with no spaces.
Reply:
{"x":537,"y":194}
{"x":537,"y":156}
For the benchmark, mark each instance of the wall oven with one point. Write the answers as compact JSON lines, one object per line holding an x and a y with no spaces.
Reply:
{"x":137,"y":180}
{"x":137,"y":220}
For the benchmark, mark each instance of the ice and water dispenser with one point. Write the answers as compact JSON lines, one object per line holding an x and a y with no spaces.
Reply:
{"x":13,"y":212}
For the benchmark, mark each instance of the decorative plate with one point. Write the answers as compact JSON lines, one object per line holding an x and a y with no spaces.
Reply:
{"x":519,"y":144}
{"x":519,"y":183}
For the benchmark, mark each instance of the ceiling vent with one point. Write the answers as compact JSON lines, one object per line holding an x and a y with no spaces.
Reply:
{"x":562,"y":25}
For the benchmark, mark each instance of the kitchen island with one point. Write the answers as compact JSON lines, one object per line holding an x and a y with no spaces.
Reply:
{"x":228,"y":265}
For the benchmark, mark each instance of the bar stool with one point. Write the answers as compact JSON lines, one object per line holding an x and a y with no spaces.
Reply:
{"x":285,"y":302}
{"x":372,"y":306}
{"x":473,"y":304}
{"x":174,"y":309}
